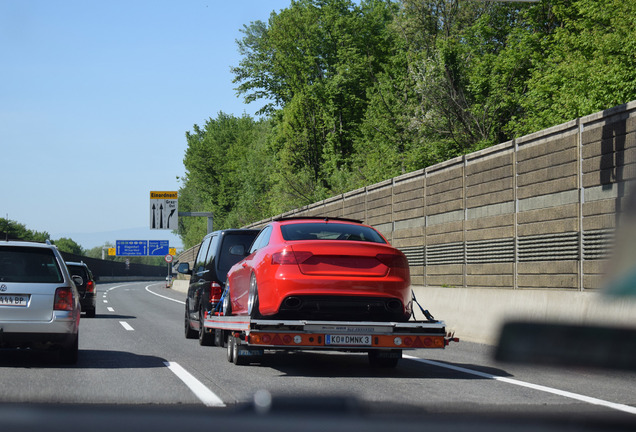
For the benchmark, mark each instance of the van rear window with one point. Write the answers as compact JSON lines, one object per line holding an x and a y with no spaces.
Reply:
{"x":228,"y":260}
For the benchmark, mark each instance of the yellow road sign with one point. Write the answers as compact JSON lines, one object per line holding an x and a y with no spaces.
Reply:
{"x":164,"y":195}
{"x":164,"y":210}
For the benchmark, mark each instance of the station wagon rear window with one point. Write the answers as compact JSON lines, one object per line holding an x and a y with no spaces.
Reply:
{"x":25,"y":264}
{"x":330,"y":231}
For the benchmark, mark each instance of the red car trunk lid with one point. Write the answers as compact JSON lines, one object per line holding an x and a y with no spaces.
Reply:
{"x":340,"y":258}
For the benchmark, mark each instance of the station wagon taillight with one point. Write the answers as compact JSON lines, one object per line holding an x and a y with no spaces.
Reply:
{"x":63,"y":299}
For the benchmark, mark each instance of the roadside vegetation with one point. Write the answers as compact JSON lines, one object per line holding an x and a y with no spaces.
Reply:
{"x":12,"y":230}
{"x":353,"y":93}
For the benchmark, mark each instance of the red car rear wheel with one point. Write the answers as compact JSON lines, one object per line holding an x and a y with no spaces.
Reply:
{"x":252,"y":301}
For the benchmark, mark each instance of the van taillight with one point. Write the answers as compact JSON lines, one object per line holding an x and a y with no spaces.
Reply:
{"x":90,"y":286}
{"x":63,"y":299}
{"x":215,"y":292}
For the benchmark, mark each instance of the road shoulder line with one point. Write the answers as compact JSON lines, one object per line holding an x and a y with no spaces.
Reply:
{"x":594,"y":401}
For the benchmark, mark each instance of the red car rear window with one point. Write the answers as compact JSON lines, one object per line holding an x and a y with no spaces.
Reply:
{"x":330,"y":231}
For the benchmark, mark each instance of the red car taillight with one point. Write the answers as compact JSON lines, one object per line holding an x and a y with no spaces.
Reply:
{"x":90,"y":286}
{"x":215,"y":292}
{"x":63,"y":299}
{"x":393,"y":261}
{"x":288,"y":256}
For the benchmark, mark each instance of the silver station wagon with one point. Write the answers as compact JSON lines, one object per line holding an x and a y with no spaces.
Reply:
{"x":39,"y":302}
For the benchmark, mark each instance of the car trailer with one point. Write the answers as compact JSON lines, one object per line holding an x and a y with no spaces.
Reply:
{"x":247,"y":339}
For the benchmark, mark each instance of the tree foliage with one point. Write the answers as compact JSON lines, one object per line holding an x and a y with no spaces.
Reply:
{"x":353,"y":93}
{"x":13,"y":230}
{"x":68,"y":245}
{"x":227,"y":170}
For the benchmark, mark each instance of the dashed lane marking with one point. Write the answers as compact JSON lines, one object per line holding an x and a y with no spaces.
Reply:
{"x":204,"y":394}
{"x":127,"y":326}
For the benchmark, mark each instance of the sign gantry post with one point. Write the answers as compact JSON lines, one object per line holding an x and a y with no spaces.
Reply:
{"x":208,"y":215}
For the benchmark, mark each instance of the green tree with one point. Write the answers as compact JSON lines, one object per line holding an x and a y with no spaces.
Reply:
{"x":314,"y":63}
{"x":68,"y":245}
{"x":225,"y":158}
{"x":463,"y":77}
{"x":96,"y":252}
{"x":443,"y":91}
{"x":13,"y":230}
{"x":357,"y":92}
{"x":588,"y":64}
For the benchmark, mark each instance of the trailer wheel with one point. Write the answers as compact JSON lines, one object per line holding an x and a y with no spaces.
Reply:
{"x":384,"y":359}
{"x":237,"y":358}
{"x":205,"y":338}
{"x":219,"y":340}
{"x":230,"y":349}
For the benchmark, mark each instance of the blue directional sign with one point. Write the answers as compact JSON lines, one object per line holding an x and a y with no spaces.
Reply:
{"x":158,"y":247}
{"x":131,"y":247}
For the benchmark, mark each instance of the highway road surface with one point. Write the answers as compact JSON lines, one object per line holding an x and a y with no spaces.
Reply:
{"x":134,"y":353}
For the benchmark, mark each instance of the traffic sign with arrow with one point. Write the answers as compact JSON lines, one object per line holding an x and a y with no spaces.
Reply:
{"x":163,"y":206}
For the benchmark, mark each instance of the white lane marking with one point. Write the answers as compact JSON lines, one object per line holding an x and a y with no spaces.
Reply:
{"x":567,"y":394}
{"x":204,"y":394}
{"x":110,"y":309}
{"x":162,"y":296}
{"x":115,"y":287}
{"x":125,"y":325}
{"x":112,"y":288}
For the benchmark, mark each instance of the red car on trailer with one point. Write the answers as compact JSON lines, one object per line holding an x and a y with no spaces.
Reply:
{"x":330,"y":269}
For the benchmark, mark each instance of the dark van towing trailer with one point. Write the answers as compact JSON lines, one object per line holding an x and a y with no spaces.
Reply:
{"x":247,"y":339}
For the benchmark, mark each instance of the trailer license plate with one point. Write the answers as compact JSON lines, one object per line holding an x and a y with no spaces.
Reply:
{"x":14,"y":300}
{"x":339,"y":339}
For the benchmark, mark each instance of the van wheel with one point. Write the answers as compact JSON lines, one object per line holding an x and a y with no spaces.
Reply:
{"x":205,"y":338}
{"x":189,"y":333}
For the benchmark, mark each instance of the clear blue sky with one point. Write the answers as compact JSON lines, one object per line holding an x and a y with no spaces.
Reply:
{"x":96,"y":98}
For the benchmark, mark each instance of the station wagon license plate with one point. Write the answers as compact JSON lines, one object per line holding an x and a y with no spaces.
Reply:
{"x":342,"y":339}
{"x":14,"y":300}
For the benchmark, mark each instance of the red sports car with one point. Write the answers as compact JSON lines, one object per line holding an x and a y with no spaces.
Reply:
{"x":320,"y":269}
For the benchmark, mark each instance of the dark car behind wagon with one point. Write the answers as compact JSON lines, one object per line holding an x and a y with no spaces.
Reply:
{"x":219,"y":251}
